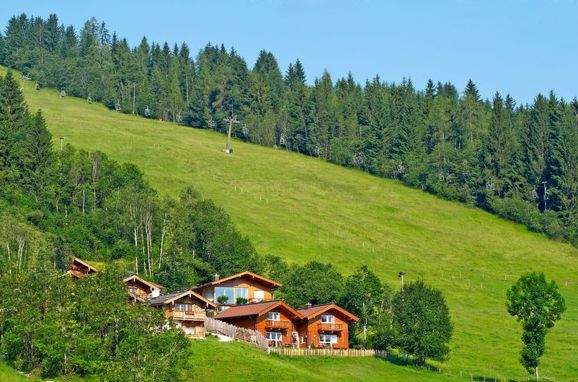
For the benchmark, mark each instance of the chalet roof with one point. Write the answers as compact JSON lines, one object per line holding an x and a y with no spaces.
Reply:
{"x":246,"y":274}
{"x":317,"y":310}
{"x":84,"y":264}
{"x":135,"y":278}
{"x":171,"y":297}
{"x":256,"y":309}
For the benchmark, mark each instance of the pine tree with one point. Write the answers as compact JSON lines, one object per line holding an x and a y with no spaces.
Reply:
{"x":14,"y":119}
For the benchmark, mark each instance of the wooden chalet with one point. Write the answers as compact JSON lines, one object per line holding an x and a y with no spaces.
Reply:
{"x":187,"y":309}
{"x":140,"y":289}
{"x":325,"y":326}
{"x":276,"y":320}
{"x":245,"y":287}
{"x":80,"y":268}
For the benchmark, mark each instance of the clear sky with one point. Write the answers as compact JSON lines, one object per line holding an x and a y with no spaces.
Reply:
{"x":520,"y":47}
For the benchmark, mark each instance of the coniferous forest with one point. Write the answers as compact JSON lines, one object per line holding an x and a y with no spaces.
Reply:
{"x":519,"y":161}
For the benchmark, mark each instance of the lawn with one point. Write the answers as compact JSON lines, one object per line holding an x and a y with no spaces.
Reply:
{"x":216,"y":361}
{"x":304,"y":209}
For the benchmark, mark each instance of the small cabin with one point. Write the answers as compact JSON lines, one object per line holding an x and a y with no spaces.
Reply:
{"x":276,"y":320}
{"x":325,"y":326}
{"x":80,"y":268}
{"x":244,"y":287}
{"x":188,"y":311}
{"x":140,"y":289}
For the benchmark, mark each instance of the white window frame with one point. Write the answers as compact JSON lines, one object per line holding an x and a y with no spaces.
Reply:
{"x":332,"y":339}
{"x":274,"y":316}
{"x":259,"y":295}
{"x":327,"y":319}
{"x":278,"y":337}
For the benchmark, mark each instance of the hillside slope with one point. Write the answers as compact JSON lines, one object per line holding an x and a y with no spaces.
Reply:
{"x":302,"y":208}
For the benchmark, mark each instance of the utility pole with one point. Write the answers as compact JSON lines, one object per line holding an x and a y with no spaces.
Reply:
{"x":545,"y":195}
{"x":231,"y":120}
{"x":133,"y":97}
{"x":400,"y":275}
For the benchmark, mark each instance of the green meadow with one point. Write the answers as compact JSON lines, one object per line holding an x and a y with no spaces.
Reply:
{"x":303,"y":209}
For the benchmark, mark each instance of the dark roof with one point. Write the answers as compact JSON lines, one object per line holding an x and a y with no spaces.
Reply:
{"x":256,"y":309}
{"x":315,"y":311}
{"x":251,"y":275}
{"x":168,"y":298}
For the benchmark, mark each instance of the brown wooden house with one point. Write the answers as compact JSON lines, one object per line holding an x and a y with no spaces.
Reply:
{"x":80,"y":268}
{"x":140,"y":289}
{"x":325,"y":326}
{"x":276,"y":320}
{"x":242,"y":287}
{"x":188,"y":310}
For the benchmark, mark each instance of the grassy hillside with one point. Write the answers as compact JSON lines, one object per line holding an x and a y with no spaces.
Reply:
{"x":9,"y":375}
{"x":302,"y":208}
{"x":239,"y":362}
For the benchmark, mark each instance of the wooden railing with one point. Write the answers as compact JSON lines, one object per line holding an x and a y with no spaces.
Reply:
{"x":273,"y":324}
{"x":187,"y":315}
{"x":246,"y":335}
{"x":328,"y":352}
{"x":327,"y":327}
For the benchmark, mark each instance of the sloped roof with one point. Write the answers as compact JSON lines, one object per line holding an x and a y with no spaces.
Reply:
{"x":142,"y":281}
{"x":168,"y":298}
{"x":315,"y":311}
{"x":247,"y":274}
{"x":256,"y":309}
{"x":85,"y":264}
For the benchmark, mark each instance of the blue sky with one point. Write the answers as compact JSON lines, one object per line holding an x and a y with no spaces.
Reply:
{"x":517,"y":47}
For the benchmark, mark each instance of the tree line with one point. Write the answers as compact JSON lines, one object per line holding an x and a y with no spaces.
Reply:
{"x":519,"y":161}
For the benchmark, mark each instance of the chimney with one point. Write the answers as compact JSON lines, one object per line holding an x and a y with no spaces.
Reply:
{"x":216,"y":277}
{"x":309,"y":305}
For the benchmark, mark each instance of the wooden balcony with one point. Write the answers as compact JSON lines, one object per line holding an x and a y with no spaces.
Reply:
{"x":272,"y":324}
{"x":184,"y":315}
{"x":326,"y":327}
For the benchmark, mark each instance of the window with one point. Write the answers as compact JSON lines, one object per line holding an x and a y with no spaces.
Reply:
{"x":273,"y":316}
{"x":232,"y":294}
{"x":242,"y":293}
{"x":275,"y":338}
{"x":327,"y":319}
{"x":303,"y":339}
{"x":184,"y":307}
{"x":259,"y":295}
{"x":225,"y":291}
{"x":328,"y":339}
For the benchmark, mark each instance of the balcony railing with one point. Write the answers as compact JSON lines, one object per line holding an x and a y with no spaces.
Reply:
{"x":327,"y":327}
{"x":272,"y":324}
{"x":187,"y":315}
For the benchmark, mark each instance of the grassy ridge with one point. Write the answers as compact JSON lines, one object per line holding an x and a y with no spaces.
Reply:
{"x":302,"y":208}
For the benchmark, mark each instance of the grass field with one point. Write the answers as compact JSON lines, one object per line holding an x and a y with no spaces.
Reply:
{"x":239,"y":362}
{"x":305,"y":209}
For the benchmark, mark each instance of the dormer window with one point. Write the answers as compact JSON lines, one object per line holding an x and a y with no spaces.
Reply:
{"x":327,"y":319}
{"x":274,"y":316}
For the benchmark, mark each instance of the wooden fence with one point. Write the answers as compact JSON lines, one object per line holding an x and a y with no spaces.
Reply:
{"x":246,"y":335}
{"x":329,"y":352}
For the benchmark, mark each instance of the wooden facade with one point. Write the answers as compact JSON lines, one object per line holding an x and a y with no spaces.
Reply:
{"x":276,"y":320}
{"x":80,"y":268}
{"x":325,"y":326}
{"x":247,"y":286}
{"x":141,"y":290}
{"x":187,"y":310}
